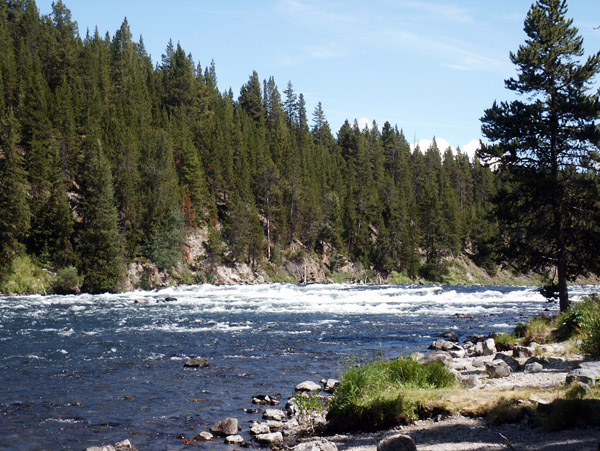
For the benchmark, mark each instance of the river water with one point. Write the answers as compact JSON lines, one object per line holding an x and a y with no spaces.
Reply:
{"x":78,"y":371}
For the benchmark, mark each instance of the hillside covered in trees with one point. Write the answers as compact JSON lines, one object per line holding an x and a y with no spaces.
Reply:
{"x":106,"y":159}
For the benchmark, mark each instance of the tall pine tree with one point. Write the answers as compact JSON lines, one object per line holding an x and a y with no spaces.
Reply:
{"x":546,"y":146}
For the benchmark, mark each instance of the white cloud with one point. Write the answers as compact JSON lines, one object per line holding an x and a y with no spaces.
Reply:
{"x":470,"y":148}
{"x":364,"y":122}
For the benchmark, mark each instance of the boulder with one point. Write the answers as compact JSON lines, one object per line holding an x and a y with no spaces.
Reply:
{"x":470,"y":381}
{"x":442,"y":345}
{"x":273,"y":438}
{"x":497,"y":368}
{"x":274,"y":414}
{"x":457,"y":353}
{"x":329,"y":385}
{"x":260,"y":428}
{"x":228,"y":426}
{"x":534,"y":367}
{"x":275,"y":425}
{"x":308,"y":386}
{"x":450,"y":335}
{"x":520,"y":352}
{"x":315,"y":445}
{"x":584,"y":375}
{"x":398,"y":442}
{"x":443,"y":357}
{"x":198,"y":362}
{"x":510,"y":360}
{"x":486,"y":347}
{"x":234,"y":440}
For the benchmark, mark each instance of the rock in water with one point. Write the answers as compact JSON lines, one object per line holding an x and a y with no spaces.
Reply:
{"x":274,"y":438}
{"x":260,"y":428}
{"x":274,"y":414}
{"x":204,"y":437}
{"x":234,"y":440}
{"x":450,"y":335}
{"x":198,"y":362}
{"x":228,"y":426}
{"x":315,"y":445}
{"x":308,"y":386}
{"x":125,"y":445}
{"x":399,"y":442}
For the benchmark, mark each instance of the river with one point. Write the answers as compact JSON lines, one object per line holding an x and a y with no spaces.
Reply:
{"x":78,"y":371}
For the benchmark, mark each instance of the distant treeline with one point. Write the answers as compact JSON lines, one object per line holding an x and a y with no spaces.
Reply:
{"x":105,"y":157}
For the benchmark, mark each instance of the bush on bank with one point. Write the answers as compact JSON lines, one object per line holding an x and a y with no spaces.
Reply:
{"x":381,"y":394}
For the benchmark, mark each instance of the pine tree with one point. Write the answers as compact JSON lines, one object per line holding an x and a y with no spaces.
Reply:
{"x":99,"y":247}
{"x":15,"y":217}
{"x":546,"y":148}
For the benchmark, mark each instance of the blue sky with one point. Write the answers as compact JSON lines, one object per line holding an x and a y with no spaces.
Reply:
{"x":429,"y":66}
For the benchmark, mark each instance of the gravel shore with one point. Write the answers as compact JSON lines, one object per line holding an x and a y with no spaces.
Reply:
{"x":459,"y":433}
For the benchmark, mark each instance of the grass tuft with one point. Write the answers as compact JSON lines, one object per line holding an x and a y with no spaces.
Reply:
{"x":375,"y":396}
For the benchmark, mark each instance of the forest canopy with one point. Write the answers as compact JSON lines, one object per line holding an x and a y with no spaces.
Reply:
{"x":106,"y":158}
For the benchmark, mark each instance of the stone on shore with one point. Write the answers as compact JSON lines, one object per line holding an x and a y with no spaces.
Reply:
{"x":198,"y":362}
{"x":260,"y":428}
{"x":582,"y":375}
{"x":315,"y":445}
{"x":329,"y":385}
{"x":308,"y":386}
{"x":534,"y":367}
{"x":485,"y":348}
{"x":273,"y":438}
{"x":399,"y":442}
{"x":497,"y":369}
{"x":443,"y":357}
{"x":274,"y":414}
{"x":520,"y":352}
{"x":228,"y":426}
{"x":443,"y":345}
{"x":510,"y":361}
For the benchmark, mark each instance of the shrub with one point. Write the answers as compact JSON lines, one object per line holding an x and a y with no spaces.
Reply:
{"x":590,"y":337}
{"x":373,"y":396}
{"x":538,"y":330}
{"x":308,"y":404}
{"x":67,"y":281}
{"x":577,"y":318}
{"x":25,"y":277}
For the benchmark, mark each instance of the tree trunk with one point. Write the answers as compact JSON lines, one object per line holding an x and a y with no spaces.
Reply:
{"x":563,"y":290}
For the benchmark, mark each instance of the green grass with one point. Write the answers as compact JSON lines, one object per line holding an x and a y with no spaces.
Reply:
{"x":382,"y":394}
{"x":505,"y":342}
{"x":396,"y":278}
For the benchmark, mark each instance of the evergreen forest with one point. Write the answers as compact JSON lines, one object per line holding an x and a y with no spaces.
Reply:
{"x":107,"y":158}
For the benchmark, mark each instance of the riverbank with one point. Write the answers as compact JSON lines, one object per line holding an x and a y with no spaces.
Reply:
{"x":499,"y":412}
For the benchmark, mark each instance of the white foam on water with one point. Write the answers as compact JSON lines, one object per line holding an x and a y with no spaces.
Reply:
{"x":334,"y":299}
